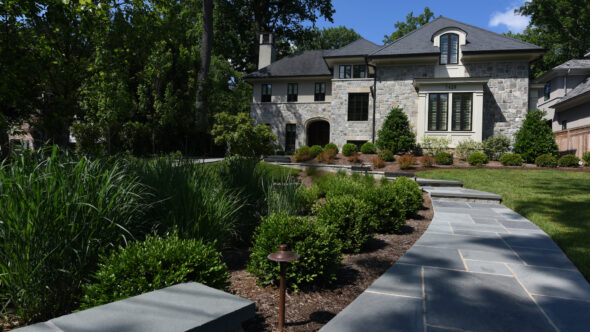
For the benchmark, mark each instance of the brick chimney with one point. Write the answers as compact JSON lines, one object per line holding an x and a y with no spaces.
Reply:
{"x":266,"y":53}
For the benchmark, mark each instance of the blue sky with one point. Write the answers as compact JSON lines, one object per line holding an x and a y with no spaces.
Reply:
{"x":375,"y":18}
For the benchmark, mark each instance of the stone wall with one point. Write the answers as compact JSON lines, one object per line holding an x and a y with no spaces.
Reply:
{"x":342,"y":130}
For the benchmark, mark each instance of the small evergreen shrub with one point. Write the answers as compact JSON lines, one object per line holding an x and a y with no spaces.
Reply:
{"x":315,"y":150}
{"x":511,"y":159}
{"x":467,"y":147}
{"x":534,"y":137}
{"x":304,"y":153}
{"x":435,"y":145}
{"x":495,"y":146}
{"x":348,"y":149}
{"x":317,"y":244}
{"x":386,"y":155}
{"x":155,"y":263}
{"x":378,"y":162}
{"x":339,"y":184}
{"x":327,"y":156}
{"x":586,"y":158}
{"x":368,"y":148}
{"x":443,"y":158}
{"x":477,"y":159}
{"x":386,"y":207}
{"x":354,"y":158}
{"x":352,"y":219}
{"x":427,"y":161}
{"x":409,"y":195}
{"x":406,"y":161}
{"x":568,"y":160}
{"x":331,"y":146}
{"x":546,"y":160}
{"x":396,"y":134}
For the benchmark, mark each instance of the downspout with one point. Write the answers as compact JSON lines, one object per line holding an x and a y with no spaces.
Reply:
{"x":373,"y":93}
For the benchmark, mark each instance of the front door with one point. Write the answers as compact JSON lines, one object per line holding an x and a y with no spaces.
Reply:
{"x":318,"y":133}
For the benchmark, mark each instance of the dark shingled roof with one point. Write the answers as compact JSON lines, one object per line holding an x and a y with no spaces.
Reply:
{"x":306,"y":63}
{"x":359,"y":47}
{"x":479,"y":40}
{"x":574,"y":64}
{"x":581,"y":89}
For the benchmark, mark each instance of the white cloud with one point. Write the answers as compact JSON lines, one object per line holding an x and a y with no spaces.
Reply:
{"x":512,"y":20}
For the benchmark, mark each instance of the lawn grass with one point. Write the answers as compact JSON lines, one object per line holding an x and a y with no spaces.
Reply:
{"x":558,"y":202}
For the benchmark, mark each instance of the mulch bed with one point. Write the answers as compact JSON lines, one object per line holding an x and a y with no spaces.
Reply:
{"x":309,"y":310}
{"x":9,"y":322}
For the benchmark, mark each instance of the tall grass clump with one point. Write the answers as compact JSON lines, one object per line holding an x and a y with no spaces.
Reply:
{"x":56,"y":214}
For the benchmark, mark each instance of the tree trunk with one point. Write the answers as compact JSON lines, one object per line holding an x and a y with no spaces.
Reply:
{"x":206,"y":44}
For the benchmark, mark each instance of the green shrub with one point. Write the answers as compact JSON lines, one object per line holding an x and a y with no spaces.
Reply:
{"x":317,"y":244}
{"x":368,"y":148}
{"x":511,"y":159}
{"x":155,"y":263}
{"x":304,"y":153}
{"x":351,"y":218}
{"x":477,"y":159}
{"x":435,"y":145}
{"x":331,"y":146}
{"x":335,"y":185}
{"x":288,"y":196}
{"x":495,"y":146}
{"x":406,"y":161}
{"x":409,"y":196}
{"x":444,"y":158}
{"x":349,"y":149}
{"x":546,"y":160}
{"x":568,"y":160}
{"x":396,"y":134}
{"x":239,"y":135}
{"x":386,"y":206}
{"x":534,"y":137}
{"x":586,"y":158}
{"x":386,"y":155}
{"x":467,"y":147}
{"x":315,"y":150}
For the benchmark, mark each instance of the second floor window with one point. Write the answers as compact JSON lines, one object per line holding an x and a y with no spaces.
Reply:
{"x":266,"y":93}
{"x":320,"y":92}
{"x":352,"y":71}
{"x":358,"y":106}
{"x":438,"y":111}
{"x":449,"y":49}
{"x":292,"y":91}
{"x":547,"y":91}
{"x":345,"y":71}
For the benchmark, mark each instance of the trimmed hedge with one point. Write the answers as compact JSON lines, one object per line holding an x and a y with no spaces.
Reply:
{"x":443,"y":158}
{"x":386,"y":155}
{"x":496,"y":146}
{"x":409,"y":195}
{"x":331,"y":146}
{"x":349,"y":149}
{"x":511,"y":159}
{"x":568,"y":160}
{"x":315,"y":150}
{"x":477,"y":159}
{"x":546,"y":160}
{"x":368,"y":148}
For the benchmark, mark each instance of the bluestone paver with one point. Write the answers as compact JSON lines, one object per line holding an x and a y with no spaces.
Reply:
{"x":568,"y":315}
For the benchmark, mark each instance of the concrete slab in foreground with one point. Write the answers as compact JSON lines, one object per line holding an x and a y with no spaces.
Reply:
{"x":184,"y":307}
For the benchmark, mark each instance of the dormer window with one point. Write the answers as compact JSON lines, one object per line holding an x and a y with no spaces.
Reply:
{"x":449,"y":49}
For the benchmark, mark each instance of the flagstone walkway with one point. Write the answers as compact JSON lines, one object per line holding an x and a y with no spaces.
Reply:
{"x":478,"y":267}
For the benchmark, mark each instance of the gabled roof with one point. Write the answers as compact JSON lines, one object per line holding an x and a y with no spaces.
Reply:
{"x":306,"y":63}
{"x":359,"y":47}
{"x":478,"y":40}
{"x":582,"y":89}
{"x":570,"y":67}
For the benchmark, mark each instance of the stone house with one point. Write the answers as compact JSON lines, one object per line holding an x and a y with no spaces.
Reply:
{"x":452,"y":79}
{"x":564,"y":94}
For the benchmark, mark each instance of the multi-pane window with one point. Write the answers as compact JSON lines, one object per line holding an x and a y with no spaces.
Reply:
{"x":449,"y":49}
{"x":345,"y":71}
{"x":547,"y":90}
{"x":290,"y":136}
{"x":437,"y":111}
{"x":292,"y":91}
{"x":352,"y":71}
{"x":462,"y":111}
{"x":266,"y":93}
{"x":320,"y":92}
{"x":358,"y":106}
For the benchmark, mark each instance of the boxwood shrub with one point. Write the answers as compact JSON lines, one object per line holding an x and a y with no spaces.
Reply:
{"x":349,"y":149}
{"x":568,"y":160}
{"x":315,"y":150}
{"x":443,"y":158}
{"x":511,"y":159}
{"x":155,"y":263}
{"x":586,"y":158}
{"x":368,"y":148}
{"x":546,"y":160}
{"x":387,"y":208}
{"x":304,"y":153}
{"x":316,"y":243}
{"x":477,"y":159}
{"x":331,"y":146}
{"x":409,"y":196}
{"x":386,"y":155}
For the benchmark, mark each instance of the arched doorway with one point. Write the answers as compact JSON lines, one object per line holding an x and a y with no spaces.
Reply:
{"x":318,"y":133}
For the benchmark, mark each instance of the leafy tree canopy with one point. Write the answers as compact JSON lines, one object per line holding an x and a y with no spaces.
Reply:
{"x":239,"y":135}
{"x":412,"y":23}
{"x":327,"y":38}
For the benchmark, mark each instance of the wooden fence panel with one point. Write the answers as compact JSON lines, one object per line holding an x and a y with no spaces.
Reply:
{"x":575,"y":140}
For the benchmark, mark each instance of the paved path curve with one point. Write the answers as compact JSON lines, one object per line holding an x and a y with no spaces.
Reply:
{"x":478,"y":267}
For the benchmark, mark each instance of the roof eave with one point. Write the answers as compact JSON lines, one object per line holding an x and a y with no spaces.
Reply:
{"x":285,"y":76}
{"x":572,"y":102}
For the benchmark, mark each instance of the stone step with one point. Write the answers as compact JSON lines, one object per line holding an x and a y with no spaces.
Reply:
{"x":277,"y":159}
{"x":458,"y":194}
{"x":438,"y":183}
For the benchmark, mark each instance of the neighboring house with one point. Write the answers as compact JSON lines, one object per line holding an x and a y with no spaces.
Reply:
{"x":564,"y":93}
{"x":452,"y":79}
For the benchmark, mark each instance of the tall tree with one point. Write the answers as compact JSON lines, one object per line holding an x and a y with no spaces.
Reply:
{"x":206,"y":45}
{"x":327,"y":38}
{"x":412,"y":23}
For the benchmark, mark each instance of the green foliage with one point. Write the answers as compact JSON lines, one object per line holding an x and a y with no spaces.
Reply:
{"x":511,"y":159}
{"x":386,"y":155}
{"x":57,"y":213}
{"x":339,"y":184}
{"x":467,"y":147}
{"x":444,"y":158}
{"x":477,"y":159}
{"x":352,"y":219}
{"x":586,"y":158}
{"x":327,"y":38}
{"x":239,"y":135}
{"x":317,"y":244}
{"x":534,"y":137}
{"x":386,"y":208}
{"x":412,"y":23}
{"x":396,"y":134}
{"x":406,"y":161}
{"x":409,"y":196}
{"x":152,"y":264}
{"x":368,"y":148}
{"x":315,"y":150}
{"x":304,"y":153}
{"x":349,"y":149}
{"x":546,"y":160}
{"x":495,"y":146}
{"x":568,"y":160}
{"x":331,"y":146}
{"x":435,"y":145}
